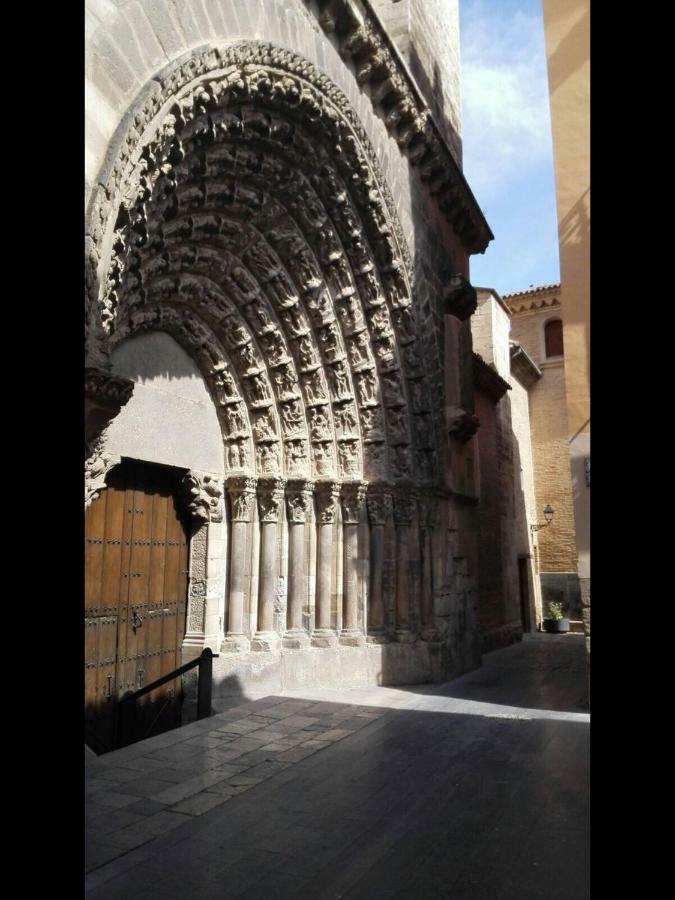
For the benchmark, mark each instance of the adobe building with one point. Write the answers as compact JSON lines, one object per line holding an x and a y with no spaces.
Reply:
{"x":536,"y":325}
{"x":279,"y":383}
{"x":508,"y":574}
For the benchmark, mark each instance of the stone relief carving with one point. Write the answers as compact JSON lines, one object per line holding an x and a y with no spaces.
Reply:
{"x":96,"y":467}
{"x":242,"y":497}
{"x":348,"y":452}
{"x":295,"y":456}
{"x":319,"y":423}
{"x":243,"y":287}
{"x":404,"y":507}
{"x":299,"y":500}
{"x":203,"y":497}
{"x":353,"y":496}
{"x":379,"y":503}
{"x":327,"y":494}
{"x":270,"y":498}
{"x":462,"y":424}
{"x":268,"y":458}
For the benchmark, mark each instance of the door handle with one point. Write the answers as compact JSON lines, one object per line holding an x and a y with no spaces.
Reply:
{"x":141,"y":676}
{"x":109,"y":678}
{"x":136,"y":620}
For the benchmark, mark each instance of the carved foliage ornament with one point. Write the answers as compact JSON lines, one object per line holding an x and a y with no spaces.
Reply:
{"x":379,"y":502}
{"x":96,"y":467}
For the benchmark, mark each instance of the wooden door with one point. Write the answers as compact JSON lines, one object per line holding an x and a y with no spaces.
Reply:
{"x":136,"y":570}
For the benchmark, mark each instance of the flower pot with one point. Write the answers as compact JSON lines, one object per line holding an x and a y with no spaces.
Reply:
{"x":557,"y":626}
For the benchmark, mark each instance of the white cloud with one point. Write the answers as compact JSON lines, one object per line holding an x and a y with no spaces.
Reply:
{"x":505,"y":103}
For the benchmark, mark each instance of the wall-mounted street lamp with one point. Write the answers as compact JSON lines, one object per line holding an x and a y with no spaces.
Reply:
{"x":548,"y":515}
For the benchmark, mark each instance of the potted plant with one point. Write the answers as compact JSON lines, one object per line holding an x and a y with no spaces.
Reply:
{"x":555,"y":621}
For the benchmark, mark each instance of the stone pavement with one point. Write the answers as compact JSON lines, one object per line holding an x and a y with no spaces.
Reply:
{"x":477,"y":788}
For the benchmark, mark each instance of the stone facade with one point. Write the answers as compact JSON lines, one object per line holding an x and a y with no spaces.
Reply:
{"x":279,"y":223}
{"x":509,"y":590}
{"x":530,"y":311}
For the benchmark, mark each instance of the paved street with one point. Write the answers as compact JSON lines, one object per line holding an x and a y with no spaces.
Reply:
{"x":477,"y":788}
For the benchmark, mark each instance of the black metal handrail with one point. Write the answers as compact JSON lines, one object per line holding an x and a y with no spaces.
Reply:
{"x":126,"y":709}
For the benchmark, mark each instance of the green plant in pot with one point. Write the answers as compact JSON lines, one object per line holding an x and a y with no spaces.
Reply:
{"x":555,"y":621}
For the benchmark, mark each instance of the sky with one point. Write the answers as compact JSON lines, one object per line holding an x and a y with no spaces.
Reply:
{"x":506,"y":134}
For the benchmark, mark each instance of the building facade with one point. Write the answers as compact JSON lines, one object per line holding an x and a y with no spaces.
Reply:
{"x":279,"y":383}
{"x":567,"y":32}
{"x":508,"y":553}
{"x":537,"y":326}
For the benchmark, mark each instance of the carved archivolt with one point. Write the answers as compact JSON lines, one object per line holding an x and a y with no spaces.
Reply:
{"x":245,"y":216}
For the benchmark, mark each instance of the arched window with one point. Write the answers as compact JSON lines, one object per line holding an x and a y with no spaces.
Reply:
{"x":553,"y":338}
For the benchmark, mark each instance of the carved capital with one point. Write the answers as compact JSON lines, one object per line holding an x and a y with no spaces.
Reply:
{"x":404,"y":507}
{"x":353,"y":500}
{"x":203,"y":496}
{"x":459,"y":298}
{"x":327,"y":492}
{"x":299,"y":500}
{"x":270,"y":498}
{"x":429,"y":512}
{"x":242,"y":497}
{"x":379,"y":502}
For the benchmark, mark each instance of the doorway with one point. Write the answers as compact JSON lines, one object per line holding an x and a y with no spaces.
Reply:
{"x":136,"y":578}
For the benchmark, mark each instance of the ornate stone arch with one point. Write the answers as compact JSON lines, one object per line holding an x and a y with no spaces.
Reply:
{"x":243,"y":211}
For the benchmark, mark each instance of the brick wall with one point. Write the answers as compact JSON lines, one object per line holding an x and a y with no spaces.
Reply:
{"x":548,"y":422}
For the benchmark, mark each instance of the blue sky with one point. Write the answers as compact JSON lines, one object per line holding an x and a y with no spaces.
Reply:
{"x":506,"y":131}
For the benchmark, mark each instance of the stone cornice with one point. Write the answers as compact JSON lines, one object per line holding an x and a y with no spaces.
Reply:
{"x":377,"y":62}
{"x":523,"y":366}
{"x":546,"y":296}
{"x":486,"y":379}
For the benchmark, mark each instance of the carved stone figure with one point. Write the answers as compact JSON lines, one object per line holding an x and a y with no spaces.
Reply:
{"x":330,"y":341}
{"x":345,"y":420}
{"x":319,"y":423}
{"x":247,"y":357}
{"x":291,"y":417}
{"x":306,"y":352}
{"x":260,"y":261}
{"x":242,"y":497}
{"x":299,"y":500}
{"x":327,"y":494}
{"x":392,"y":389}
{"x":371,"y":423}
{"x":259,"y":389}
{"x":359,"y":349}
{"x":263,"y":426}
{"x":295,"y":321}
{"x":367,"y":387}
{"x":353,"y":496}
{"x":295,"y":455}
{"x":280,"y":291}
{"x":268,"y":457}
{"x":348,"y":453}
{"x":314,"y":388}
{"x":203,"y":496}
{"x":339,"y":381}
{"x":234,"y":419}
{"x":274,"y":347}
{"x":286,"y":381}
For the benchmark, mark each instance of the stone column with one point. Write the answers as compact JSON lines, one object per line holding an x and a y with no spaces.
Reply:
{"x":404,"y":505}
{"x":429,"y":522}
{"x":298,"y":505}
{"x":379,"y":508}
{"x":327,"y":492}
{"x":270,"y":497}
{"x":353,"y":497}
{"x":242,"y":497}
